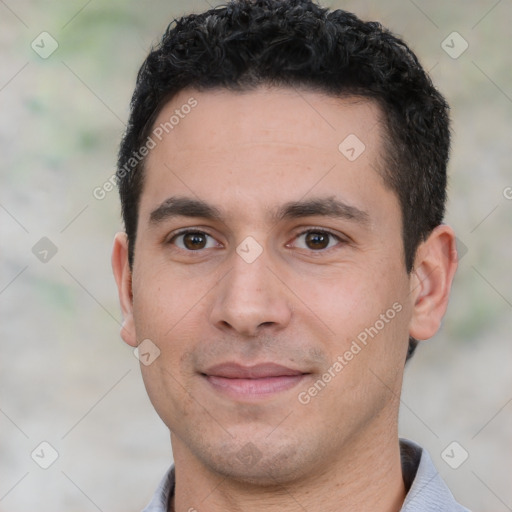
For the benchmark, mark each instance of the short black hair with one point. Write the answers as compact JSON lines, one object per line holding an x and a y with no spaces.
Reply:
{"x":298,"y":43}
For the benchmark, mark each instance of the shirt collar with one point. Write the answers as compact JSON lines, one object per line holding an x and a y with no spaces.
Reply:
{"x":427,"y":491}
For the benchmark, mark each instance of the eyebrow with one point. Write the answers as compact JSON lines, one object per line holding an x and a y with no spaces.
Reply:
{"x":184,"y":207}
{"x":322,"y":206}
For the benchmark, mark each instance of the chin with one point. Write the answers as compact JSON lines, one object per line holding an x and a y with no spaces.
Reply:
{"x":251,"y":464}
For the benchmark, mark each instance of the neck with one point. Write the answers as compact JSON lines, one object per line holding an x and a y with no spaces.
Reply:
{"x":367,"y":475}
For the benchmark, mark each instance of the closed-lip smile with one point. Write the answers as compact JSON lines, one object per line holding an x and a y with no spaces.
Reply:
{"x":252,"y":382}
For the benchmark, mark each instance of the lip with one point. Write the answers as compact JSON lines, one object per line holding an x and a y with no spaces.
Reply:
{"x":258,"y":371}
{"x":252,"y":382}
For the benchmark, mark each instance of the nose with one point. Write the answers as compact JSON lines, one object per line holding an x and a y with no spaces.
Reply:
{"x":251,"y":298}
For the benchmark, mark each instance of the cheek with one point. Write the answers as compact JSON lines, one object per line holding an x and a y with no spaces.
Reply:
{"x":169,"y":311}
{"x":162,"y":300}
{"x":350,"y":301}
{"x":367,"y":314}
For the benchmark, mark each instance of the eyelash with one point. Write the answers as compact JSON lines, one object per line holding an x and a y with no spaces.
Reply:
{"x":187,"y":231}
{"x":323,"y":231}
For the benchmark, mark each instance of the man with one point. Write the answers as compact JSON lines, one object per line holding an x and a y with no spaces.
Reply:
{"x":282,"y":181}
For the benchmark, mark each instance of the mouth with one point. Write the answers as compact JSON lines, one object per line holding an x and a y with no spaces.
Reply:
{"x":252,"y":382}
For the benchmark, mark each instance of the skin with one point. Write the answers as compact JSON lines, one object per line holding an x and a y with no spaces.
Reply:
{"x":298,"y":304}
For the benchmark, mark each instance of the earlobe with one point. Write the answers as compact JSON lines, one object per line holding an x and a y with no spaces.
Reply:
{"x":434,"y":268}
{"x":123,"y":277}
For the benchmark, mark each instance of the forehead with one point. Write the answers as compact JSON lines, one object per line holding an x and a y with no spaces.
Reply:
{"x":263,"y":147}
{"x":266,"y":114}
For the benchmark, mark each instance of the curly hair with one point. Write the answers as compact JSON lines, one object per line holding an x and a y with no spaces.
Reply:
{"x":297,"y":43}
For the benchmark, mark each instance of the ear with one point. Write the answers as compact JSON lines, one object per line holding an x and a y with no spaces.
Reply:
{"x":123,"y":276}
{"x":431,"y":281}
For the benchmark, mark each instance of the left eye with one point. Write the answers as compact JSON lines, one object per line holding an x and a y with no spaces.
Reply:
{"x":317,"y":240}
{"x":193,"y":240}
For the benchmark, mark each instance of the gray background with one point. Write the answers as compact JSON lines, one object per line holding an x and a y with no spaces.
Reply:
{"x":65,"y":376}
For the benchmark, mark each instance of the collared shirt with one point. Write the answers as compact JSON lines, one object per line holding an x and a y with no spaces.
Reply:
{"x":427,"y":491}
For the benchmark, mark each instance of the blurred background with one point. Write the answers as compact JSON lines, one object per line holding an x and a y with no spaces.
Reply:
{"x":66,"y":76}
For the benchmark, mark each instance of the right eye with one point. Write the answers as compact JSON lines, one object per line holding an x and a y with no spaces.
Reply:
{"x":193,"y":240}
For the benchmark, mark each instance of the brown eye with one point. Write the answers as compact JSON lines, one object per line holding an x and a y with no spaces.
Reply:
{"x":193,"y":240}
{"x":317,"y":240}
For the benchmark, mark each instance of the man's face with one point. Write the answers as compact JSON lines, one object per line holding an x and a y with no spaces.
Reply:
{"x":253,"y":308}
